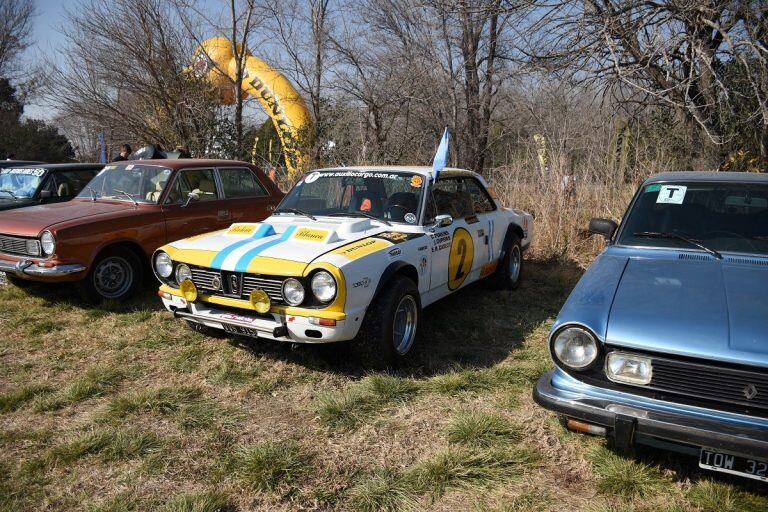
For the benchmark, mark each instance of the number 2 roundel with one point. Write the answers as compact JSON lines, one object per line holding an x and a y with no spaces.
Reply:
{"x":460,"y":259}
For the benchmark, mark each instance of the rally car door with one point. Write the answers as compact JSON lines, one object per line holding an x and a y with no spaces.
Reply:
{"x":489,"y":232}
{"x":453,"y":247}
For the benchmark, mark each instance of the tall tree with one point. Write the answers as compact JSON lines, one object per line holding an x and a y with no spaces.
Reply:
{"x":15,"y":28}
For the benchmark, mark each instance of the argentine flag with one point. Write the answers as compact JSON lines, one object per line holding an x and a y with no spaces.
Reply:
{"x":441,"y":156}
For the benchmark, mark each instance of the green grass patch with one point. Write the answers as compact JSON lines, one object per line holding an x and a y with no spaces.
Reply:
{"x":44,"y":326}
{"x":135,"y":317}
{"x":625,"y":478}
{"x":201,"y":502}
{"x":476,"y":428}
{"x":271,"y":464}
{"x":16,"y":398}
{"x":714,"y":496}
{"x":95,"y":382}
{"x":348,"y":407}
{"x":382,"y":489}
{"x":163,"y":401}
{"x":188,"y":359}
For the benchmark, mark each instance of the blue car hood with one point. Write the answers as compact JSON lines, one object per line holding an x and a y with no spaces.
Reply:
{"x":706,"y":309}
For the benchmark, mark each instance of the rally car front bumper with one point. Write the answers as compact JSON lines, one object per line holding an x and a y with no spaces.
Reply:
{"x":274,"y":325}
{"x":630,"y":419}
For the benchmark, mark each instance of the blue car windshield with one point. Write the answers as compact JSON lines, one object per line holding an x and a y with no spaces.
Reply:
{"x":389,"y":196}
{"x":726,"y":217}
{"x":20,"y":182}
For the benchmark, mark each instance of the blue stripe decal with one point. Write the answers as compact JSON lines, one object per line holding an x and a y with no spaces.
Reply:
{"x":245,"y":259}
{"x":263,"y":231}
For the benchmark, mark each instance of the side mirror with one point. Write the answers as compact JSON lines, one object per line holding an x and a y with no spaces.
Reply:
{"x":191,"y":197}
{"x":605,"y":227}
{"x":443,"y":221}
{"x":46,"y":194}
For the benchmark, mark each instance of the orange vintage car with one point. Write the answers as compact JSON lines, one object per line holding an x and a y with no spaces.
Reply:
{"x":102,"y":239}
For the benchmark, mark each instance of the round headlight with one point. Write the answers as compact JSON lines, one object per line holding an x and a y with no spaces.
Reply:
{"x":47,"y":242}
{"x":182,"y":273}
{"x":163,"y":265}
{"x":324,"y":286}
{"x":575,"y":347}
{"x":293,"y":291}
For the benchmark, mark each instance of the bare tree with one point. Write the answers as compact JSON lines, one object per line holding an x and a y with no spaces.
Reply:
{"x":15,"y":27}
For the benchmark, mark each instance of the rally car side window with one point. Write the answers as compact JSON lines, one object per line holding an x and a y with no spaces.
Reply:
{"x":452,"y":198}
{"x":481,"y":201}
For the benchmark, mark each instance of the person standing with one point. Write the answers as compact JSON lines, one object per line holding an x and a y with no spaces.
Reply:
{"x":125,"y":153}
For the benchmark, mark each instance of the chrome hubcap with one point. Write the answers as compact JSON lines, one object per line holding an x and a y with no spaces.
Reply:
{"x":404,"y":325}
{"x":113,"y":277}
{"x":514,"y":263}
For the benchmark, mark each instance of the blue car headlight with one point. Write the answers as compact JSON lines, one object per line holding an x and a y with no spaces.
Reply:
{"x":628,"y":368}
{"x":575,"y":348}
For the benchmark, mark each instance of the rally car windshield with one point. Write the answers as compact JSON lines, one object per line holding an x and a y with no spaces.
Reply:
{"x":386,"y":196}
{"x":713,"y":216}
{"x":20,"y":182}
{"x":132,"y":182}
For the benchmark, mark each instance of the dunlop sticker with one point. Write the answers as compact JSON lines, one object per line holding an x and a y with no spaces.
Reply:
{"x":362,"y":248}
{"x":310,"y":235}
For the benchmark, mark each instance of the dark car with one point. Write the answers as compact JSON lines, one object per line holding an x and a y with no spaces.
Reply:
{"x":17,"y":163}
{"x":103,"y":238}
{"x":43,"y":183}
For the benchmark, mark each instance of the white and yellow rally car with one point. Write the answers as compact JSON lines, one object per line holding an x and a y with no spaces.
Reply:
{"x":350,"y":253}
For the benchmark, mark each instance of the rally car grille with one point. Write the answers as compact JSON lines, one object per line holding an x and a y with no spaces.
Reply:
{"x":236,"y":284}
{"x":13,"y":245}
{"x":731,"y":386}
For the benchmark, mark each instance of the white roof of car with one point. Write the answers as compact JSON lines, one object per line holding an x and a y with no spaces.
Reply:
{"x":414,"y":169}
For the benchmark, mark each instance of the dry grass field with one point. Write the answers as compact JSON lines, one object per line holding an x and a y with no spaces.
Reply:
{"x":124,"y":409}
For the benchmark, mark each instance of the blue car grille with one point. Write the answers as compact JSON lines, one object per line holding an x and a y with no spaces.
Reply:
{"x":731,"y":386}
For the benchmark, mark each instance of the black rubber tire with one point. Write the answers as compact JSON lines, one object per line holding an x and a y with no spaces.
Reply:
{"x":374,"y":343}
{"x":90,"y":291}
{"x":502,"y":279}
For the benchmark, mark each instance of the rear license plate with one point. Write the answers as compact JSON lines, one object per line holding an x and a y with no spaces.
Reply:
{"x":734,"y":464}
{"x":238,"y":329}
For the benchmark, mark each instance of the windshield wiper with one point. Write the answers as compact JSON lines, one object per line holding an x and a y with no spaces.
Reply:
{"x":359,"y":214}
{"x":93,"y":193}
{"x":675,"y":236}
{"x":129,"y":196}
{"x":296,"y":211}
{"x":10,"y":194}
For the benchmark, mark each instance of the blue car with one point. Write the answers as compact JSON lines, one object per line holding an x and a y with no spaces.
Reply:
{"x":664,"y":340}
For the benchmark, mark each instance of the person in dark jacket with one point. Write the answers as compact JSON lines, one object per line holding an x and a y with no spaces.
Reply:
{"x":125,"y":153}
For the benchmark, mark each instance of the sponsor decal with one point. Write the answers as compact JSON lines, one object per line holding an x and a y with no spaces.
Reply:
{"x":310,"y":235}
{"x":393,"y":253}
{"x":363,"y":283}
{"x":416,"y":181}
{"x":237,"y":318}
{"x":480,"y":232}
{"x":488,"y":269}
{"x":397,"y":237}
{"x":460,"y":258}
{"x":356,"y":174}
{"x":242,"y":229}
{"x":362,"y":248}
{"x":423,"y":265}
{"x":440,"y":240}
{"x":423,"y":248}
{"x":410,"y":218}
{"x":312,"y":177}
{"x":23,"y":172}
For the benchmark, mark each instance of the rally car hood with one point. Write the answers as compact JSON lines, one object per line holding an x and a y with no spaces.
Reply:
{"x":33,"y":220}
{"x":692,"y":306}
{"x":242,"y":246}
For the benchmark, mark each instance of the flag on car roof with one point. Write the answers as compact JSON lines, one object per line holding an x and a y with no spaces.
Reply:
{"x":441,"y":156}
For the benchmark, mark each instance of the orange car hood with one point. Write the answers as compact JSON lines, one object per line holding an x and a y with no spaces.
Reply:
{"x":33,"y":220}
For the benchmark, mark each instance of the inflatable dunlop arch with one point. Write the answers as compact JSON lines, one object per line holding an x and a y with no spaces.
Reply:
{"x":215,"y":61}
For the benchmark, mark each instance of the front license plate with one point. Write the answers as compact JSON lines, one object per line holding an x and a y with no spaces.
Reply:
{"x":734,"y":464}
{"x":244,"y":331}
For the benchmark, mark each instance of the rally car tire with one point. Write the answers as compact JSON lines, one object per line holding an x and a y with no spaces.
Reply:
{"x":509,"y":273}
{"x":116,"y":274}
{"x":390,"y":326}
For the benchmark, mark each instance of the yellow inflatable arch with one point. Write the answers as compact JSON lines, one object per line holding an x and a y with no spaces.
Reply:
{"x":215,"y":61}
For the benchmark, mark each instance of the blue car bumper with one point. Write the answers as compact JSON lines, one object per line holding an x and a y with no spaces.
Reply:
{"x":631,"y":419}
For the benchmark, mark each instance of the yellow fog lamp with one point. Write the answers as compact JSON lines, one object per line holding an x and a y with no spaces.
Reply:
{"x":260,"y":301}
{"x":188,"y":290}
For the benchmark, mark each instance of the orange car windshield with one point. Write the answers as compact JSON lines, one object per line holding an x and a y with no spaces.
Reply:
{"x":128,"y":182}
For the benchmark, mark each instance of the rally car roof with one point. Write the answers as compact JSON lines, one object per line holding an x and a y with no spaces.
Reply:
{"x":748,"y":177}
{"x":415,"y":169}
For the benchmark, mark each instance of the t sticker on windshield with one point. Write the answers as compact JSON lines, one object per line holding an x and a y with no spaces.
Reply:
{"x":671,"y":194}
